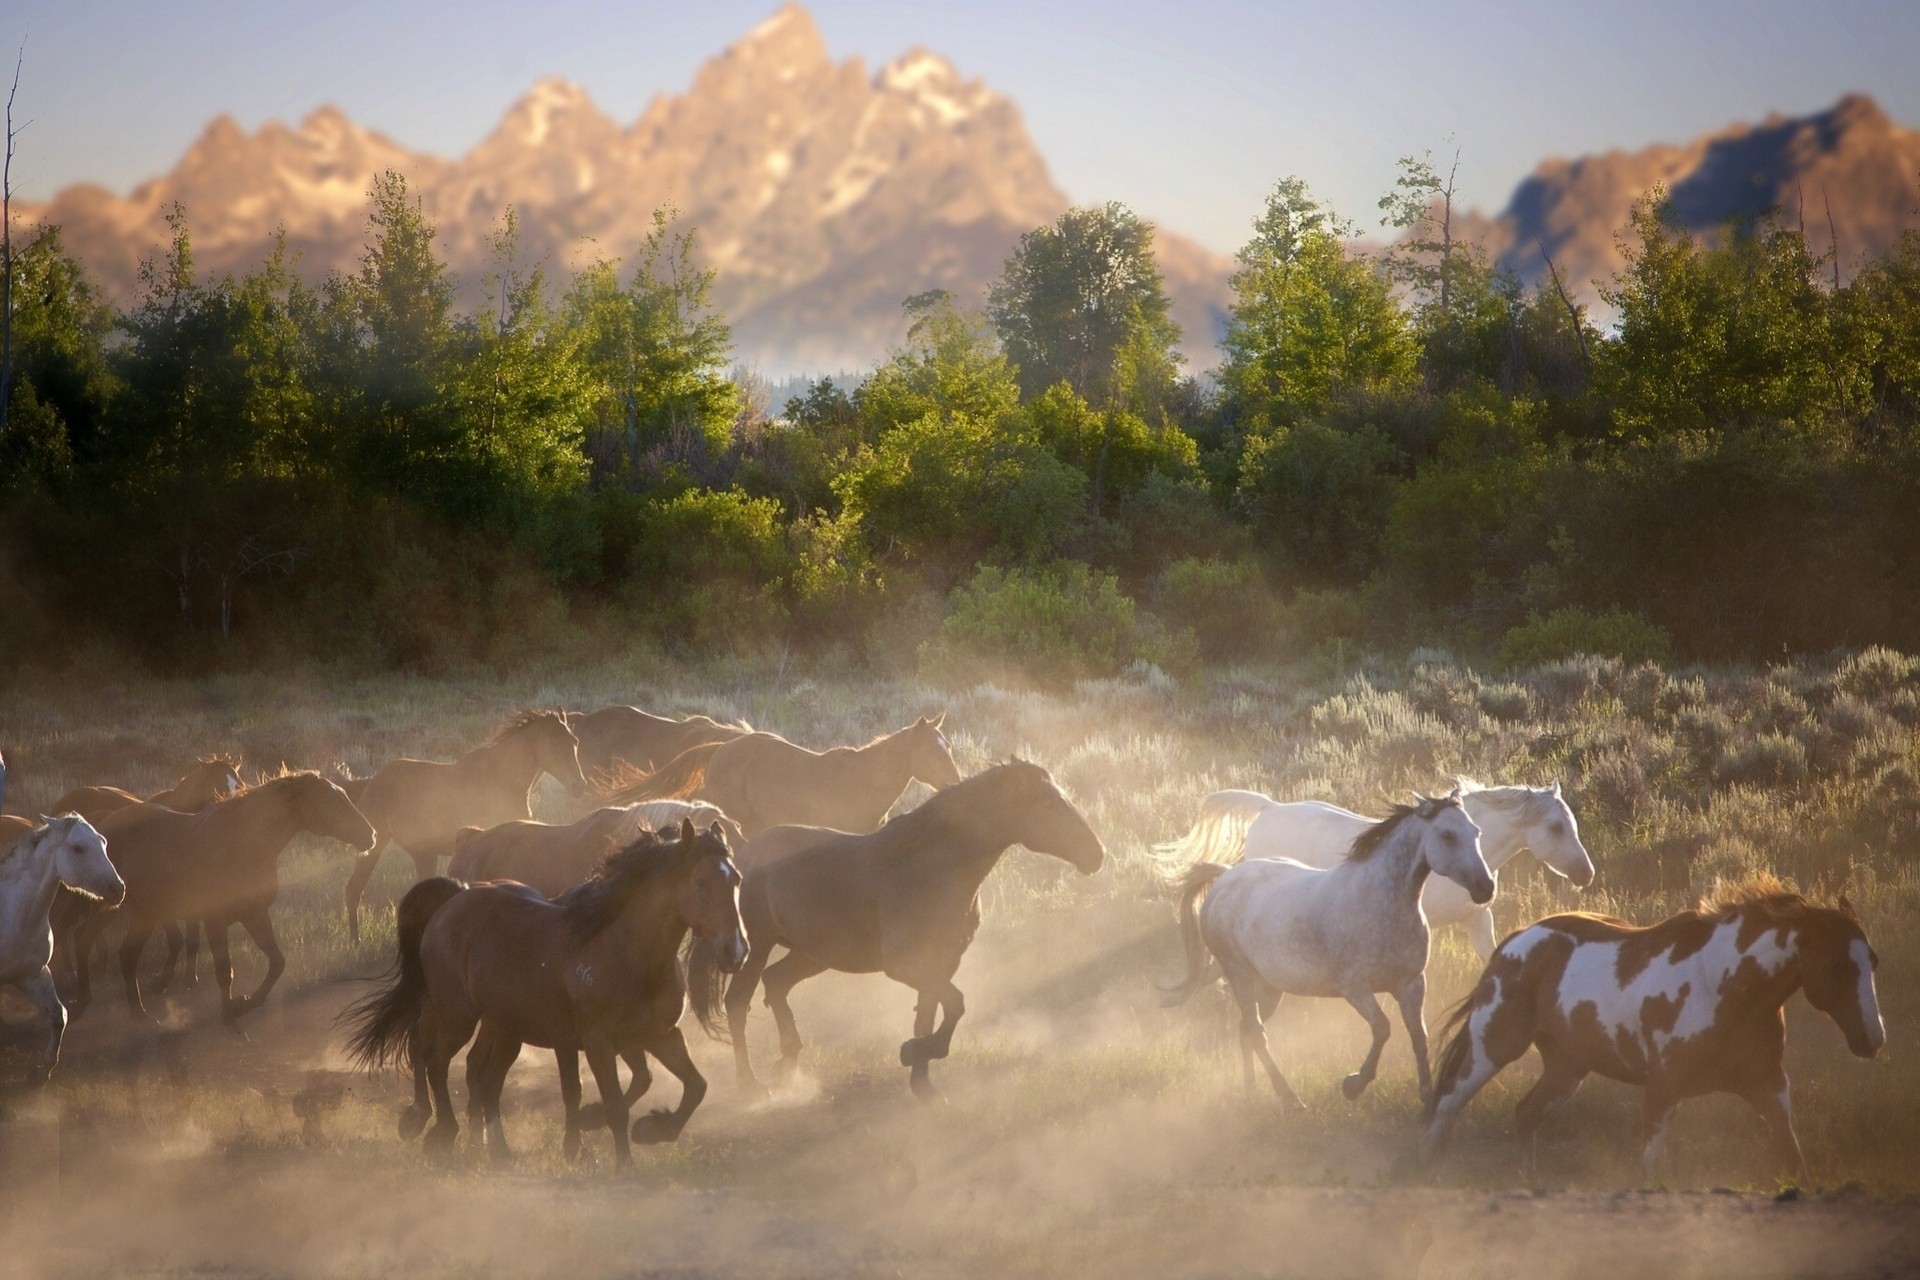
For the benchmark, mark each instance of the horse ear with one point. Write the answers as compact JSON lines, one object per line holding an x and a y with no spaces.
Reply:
{"x":1556,"y":788}
{"x":1846,"y":905}
{"x":686,"y":829}
{"x":940,"y":720}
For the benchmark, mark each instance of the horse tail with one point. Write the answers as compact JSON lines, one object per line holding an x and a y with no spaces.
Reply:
{"x":706,"y":992}
{"x":1200,"y":968}
{"x":678,"y":779}
{"x":1456,"y":1057}
{"x":1219,"y":835}
{"x":380,"y":1024}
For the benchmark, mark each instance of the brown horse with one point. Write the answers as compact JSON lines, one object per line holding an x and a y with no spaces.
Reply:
{"x":615,"y":738}
{"x":212,"y":778}
{"x":596,"y":972}
{"x":762,"y":780}
{"x":1690,"y":1006}
{"x":220,"y":867}
{"x":903,"y":901}
{"x":421,"y":805}
{"x":553,"y":858}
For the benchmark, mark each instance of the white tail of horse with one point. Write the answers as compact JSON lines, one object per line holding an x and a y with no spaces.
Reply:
{"x":1219,"y":834}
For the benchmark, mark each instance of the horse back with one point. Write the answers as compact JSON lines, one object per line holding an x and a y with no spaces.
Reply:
{"x":826,"y":895}
{"x":427,"y":801}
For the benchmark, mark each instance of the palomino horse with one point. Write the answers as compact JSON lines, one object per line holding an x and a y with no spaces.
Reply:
{"x":762,"y":780}
{"x":1279,"y":927}
{"x":220,"y":867}
{"x":614,"y":738}
{"x":60,"y":851}
{"x":554,"y":858}
{"x":1689,"y":1006}
{"x":903,"y":901}
{"x":1236,"y":825}
{"x":421,"y":805}
{"x":596,"y":972}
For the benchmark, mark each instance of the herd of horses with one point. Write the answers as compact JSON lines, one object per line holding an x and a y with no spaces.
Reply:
{"x":716,"y":861}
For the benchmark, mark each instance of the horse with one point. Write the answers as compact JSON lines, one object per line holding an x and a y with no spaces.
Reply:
{"x":1690,"y":1006}
{"x":596,"y":972}
{"x":553,"y":858}
{"x":1280,"y":927}
{"x":762,"y":780}
{"x":59,"y":851}
{"x":421,"y":805}
{"x":616,"y":737}
{"x":1235,"y":825}
{"x":903,"y":901}
{"x":220,"y":867}
{"x":211,"y":778}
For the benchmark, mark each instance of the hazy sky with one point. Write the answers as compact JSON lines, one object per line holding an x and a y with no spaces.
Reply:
{"x":1186,"y":111}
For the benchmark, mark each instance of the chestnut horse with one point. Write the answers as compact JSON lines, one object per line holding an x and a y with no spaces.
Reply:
{"x":903,"y":901}
{"x":60,"y":851}
{"x":220,"y":867}
{"x":618,"y":737}
{"x":1690,"y":1006}
{"x":421,"y":805}
{"x":596,"y":972}
{"x":762,"y":780}
{"x":553,"y":858}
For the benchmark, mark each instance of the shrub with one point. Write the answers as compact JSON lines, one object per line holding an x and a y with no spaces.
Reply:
{"x":1572,"y":630}
{"x":1052,"y":624}
{"x":1226,"y":605}
{"x":1772,"y":759}
{"x":1321,"y":495}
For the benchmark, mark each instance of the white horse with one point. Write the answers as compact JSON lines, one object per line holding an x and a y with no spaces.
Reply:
{"x":1278,"y":926}
{"x":1236,"y":825}
{"x":60,"y":851}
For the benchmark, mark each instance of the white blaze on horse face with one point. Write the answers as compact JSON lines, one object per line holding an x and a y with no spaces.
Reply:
{"x":1868,"y":998}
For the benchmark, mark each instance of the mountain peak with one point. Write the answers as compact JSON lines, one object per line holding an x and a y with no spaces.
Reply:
{"x":790,"y":38}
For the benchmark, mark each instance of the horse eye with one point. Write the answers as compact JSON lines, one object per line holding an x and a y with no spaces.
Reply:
{"x":1451,"y":837}
{"x":1556,"y":829}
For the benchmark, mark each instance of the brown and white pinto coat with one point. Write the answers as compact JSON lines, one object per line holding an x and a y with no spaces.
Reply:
{"x":1690,"y":1006}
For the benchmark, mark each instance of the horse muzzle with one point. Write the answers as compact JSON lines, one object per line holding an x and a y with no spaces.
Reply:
{"x":1868,"y":1041}
{"x":1481,"y":891}
{"x":732,"y":954}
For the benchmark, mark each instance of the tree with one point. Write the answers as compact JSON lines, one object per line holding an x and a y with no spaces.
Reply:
{"x":6,"y":251}
{"x":949,"y":367}
{"x":1077,"y":293}
{"x":60,"y":330}
{"x":1309,"y":320}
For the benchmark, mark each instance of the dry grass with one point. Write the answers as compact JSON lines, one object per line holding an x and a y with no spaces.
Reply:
{"x":1086,"y":1126}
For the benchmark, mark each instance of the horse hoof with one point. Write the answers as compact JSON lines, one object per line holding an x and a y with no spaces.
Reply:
{"x":923,"y":1089}
{"x":412,"y":1121}
{"x":570,"y":1147}
{"x":913,"y":1052}
{"x":440,"y":1140}
{"x":654,"y":1128}
{"x":1354,"y":1085}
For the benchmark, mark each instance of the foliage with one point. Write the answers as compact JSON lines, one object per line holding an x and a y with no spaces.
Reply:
{"x":1572,"y":631}
{"x":1051,"y":624}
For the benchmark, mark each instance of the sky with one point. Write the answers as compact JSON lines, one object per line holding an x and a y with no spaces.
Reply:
{"x":1188,"y":112}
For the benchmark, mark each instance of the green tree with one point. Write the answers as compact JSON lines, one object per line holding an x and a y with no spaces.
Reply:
{"x":1309,"y":320}
{"x":949,"y":366}
{"x":61,"y":325}
{"x":1081,"y":301}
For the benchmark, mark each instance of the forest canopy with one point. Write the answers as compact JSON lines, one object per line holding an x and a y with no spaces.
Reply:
{"x":1397,"y":449}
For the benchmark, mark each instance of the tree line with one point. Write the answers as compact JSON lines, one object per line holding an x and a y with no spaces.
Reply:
{"x":1400,"y":447}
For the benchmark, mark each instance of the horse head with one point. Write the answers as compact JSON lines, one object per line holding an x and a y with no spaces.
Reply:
{"x":930,"y":753}
{"x":1450,"y":844}
{"x":556,"y":749}
{"x":324,"y":809}
{"x":1836,"y":971}
{"x":1553,"y":835}
{"x":1046,"y":822}
{"x":710,"y":895}
{"x":80,"y":859}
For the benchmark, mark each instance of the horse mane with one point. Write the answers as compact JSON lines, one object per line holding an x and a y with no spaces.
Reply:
{"x":594,"y":904}
{"x":1762,"y":891}
{"x":521,"y":719}
{"x":1510,"y":797}
{"x":279,"y":774}
{"x":1368,"y":842}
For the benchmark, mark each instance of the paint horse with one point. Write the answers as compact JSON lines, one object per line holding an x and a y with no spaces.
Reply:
{"x":1237,"y":825}
{"x":1690,"y":1006}
{"x":1277,"y":927}
{"x":60,"y":851}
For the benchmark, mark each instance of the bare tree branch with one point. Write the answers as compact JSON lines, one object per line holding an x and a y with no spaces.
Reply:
{"x":1573,"y":312}
{"x":6,"y":248}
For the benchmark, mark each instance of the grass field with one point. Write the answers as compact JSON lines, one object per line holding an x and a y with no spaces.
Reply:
{"x":1085,"y":1127}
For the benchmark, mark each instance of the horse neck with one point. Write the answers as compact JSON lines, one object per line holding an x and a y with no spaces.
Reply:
{"x":507,"y":764}
{"x":1396,"y":871}
{"x":883,"y":765}
{"x":1502,"y":833}
{"x":261,"y":822}
{"x":648,"y":933}
{"x":1778,"y":986}
{"x":968,"y":843}
{"x":28,"y":880}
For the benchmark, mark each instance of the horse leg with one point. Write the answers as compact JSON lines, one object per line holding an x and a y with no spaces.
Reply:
{"x":1412,"y":999}
{"x":493,"y":1082}
{"x":1656,"y":1118}
{"x":1557,"y":1083}
{"x":138,"y":931}
{"x":80,"y":953}
{"x":414,"y":1118}
{"x":357,"y":879}
{"x":259,"y":927}
{"x":604,"y":1062}
{"x":1367,"y":1007}
{"x":1774,"y":1102}
{"x":40,"y":989}
{"x":1492,"y":1044}
{"x":780,"y":979}
{"x":593,"y":1115}
{"x":219,"y":944}
{"x":192,"y":979}
{"x":567,"y":1061}
{"x":172,"y":931}
{"x":919,"y":1051}
{"x":661,"y":1125}
{"x":442,"y":1041}
{"x":1480,"y":932}
{"x":739,"y":1002}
